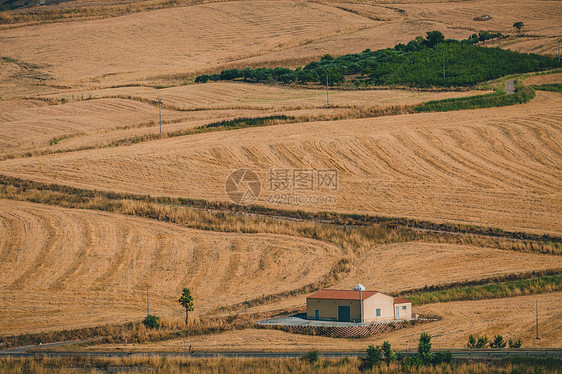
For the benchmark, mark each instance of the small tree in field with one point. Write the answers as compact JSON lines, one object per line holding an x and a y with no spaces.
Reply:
{"x":519,"y":26}
{"x":186,"y":300}
{"x":389,"y":353}
{"x":482,"y":342}
{"x":424,"y":348}
{"x":515,"y":343}
{"x":471,"y":341}
{"x":498,"y":342}
{"x":374,"y":355}
{"x":152,"y":322}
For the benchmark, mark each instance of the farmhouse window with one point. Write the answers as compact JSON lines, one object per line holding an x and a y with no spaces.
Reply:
{"x":378,"y":312}
{"x":404,"y":307}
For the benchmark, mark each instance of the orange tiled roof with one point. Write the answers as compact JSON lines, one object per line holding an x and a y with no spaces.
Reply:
{"x":341,"y":294}
{"x":399,"y":300}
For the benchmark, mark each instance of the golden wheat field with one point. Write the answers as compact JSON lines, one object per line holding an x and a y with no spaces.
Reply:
{"x":78,"y":85}
{"x":90,"y":267}
{"x":31,"y":125}
{"x":81,"y":268}
{"x":139,"y":46}
{"x":497,"y":167}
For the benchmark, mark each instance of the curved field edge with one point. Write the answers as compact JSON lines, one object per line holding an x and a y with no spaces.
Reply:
{"x":522,"y":95}
{"x":95,"y":266}
{"x":220,"y":216}
{"x":21,"y":18}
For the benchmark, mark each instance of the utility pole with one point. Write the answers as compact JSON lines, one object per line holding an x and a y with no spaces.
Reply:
{"x":160,"y":112}
{"x":537,"y":309}
{"x":361,"y":303}
{"x":443,"y":63}
{"x":147,"y":309}
{"x":559,"y":50}
{"x":327,"y":93}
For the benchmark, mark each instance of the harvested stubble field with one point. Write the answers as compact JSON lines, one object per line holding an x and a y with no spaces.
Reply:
{"x":121,"y":113}
{"x":229,"y":95}
{"x":31,"y":124}
{"x":82,"y":268}
{"x":264,"y":32}
{"x":544,"y":79}
{"x":69,"y":268}
{"x":497,"y":167}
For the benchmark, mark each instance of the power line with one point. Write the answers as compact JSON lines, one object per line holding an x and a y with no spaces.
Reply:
{"x":160,"y":112}
{"x":443,"y":63}
{"x":537,"y":318}
{"x":327,"y":93}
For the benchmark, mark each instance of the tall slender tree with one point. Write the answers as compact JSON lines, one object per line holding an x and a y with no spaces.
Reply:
{"x":186,"y":300}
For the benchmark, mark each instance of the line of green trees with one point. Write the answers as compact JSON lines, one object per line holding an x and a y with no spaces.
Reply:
{"x":496,"y":342}
{"x":418,"y":63}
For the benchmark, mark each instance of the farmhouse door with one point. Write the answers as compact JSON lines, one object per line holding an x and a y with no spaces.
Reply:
{"x":397,"y":312}
{"x":344,"y":313}
{"x":316,"y":314}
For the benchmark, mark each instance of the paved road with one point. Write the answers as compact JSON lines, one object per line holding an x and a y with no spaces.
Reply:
{"x":510,"y":86}
{"x":25,"y":348}
{"x":457,"y":353}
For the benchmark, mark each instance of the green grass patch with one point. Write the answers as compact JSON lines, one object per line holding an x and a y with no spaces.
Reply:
{"x":520,"y":287}
{"x":553,"y":87}
{"x":496,"y":99}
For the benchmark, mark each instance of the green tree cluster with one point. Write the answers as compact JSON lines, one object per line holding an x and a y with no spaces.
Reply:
{"x":418,"y":63}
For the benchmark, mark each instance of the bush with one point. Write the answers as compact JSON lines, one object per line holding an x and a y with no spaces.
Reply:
{"x":444,"y":357}
{"x":497,"y":342}
{"x":482,"y":342}
{"x":389,"y":353}
{"x":424,"y":348}
{"x":515,"y":343}
{"x":152,"y":322}
{"x":471,"y":342}
{"x":311,"y":357}
{"x":202,"y":79}
{"x":374,"y":355}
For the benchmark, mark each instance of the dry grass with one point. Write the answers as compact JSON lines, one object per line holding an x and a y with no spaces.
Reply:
{"x":247,"y":28}
{"x":239,"y":95}
{"x":84,"y":268}
{"x":512,"y":317}
{"x":432,"y":263}
{"x":67,"y":268}
{"x":77,"y":265}
{"x":544,"y":79}
{"x":494,"y":167}
{"x":142,"y":364}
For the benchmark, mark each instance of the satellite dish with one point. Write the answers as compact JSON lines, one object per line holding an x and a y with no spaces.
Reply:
{"x":359,"y":287}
